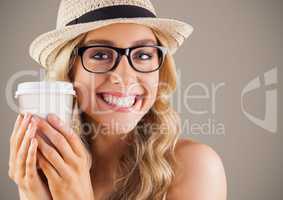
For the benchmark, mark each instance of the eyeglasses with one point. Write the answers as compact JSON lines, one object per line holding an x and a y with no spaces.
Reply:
{"x":102,"y":58}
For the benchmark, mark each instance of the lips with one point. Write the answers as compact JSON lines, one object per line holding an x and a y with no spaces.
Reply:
{"x":120,"y":94}
{"x":101,"y":96}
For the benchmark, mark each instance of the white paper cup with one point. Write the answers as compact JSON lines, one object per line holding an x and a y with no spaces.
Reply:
{"x":45,"y":97}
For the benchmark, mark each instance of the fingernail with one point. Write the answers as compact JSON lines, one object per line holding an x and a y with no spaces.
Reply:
{"x":25,"y":115}
{"x":35,"y":118}
{"x":20,"y":115}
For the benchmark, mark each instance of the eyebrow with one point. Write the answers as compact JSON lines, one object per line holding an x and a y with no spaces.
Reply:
{"x":109,"y":42}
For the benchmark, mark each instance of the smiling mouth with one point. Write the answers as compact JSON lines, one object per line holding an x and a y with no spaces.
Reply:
{"x":118,"y":101}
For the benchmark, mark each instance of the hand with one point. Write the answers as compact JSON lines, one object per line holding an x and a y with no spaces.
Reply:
{"x":22,"y":161}
{"x":64,"y":160}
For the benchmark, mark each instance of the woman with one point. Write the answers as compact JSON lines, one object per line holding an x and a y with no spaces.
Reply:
{"x":122,"y":71}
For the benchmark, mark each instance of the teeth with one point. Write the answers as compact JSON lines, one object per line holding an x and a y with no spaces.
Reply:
{"x":119,"y":101}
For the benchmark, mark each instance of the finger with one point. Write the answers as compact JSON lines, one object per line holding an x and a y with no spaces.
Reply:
{"x":57,"y":139}
{"x":21,"y":132}
{"x":52,"y":156}
{"x":73,"y":139}
{"x":16,"y":127}
{"x":12,"y":146}
{"x":31,"y":171}
{"x":34,"y":177}
{"x":23,"y":151}
{"x":20,"y":122}
{"x":48,"y":170}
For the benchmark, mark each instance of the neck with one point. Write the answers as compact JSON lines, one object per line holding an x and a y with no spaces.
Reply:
{"x":107,"y":150}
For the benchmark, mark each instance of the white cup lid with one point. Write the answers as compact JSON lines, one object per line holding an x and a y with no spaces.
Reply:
{"x":62,"y":87}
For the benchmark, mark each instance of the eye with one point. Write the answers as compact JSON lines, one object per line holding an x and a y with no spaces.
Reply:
{"x":143,"y":56}
{"x":100,"y":56}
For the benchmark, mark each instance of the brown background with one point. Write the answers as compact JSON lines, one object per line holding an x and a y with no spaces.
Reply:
{"x":233,"y":42}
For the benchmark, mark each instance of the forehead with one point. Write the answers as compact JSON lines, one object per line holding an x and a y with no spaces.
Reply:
{"x":122,"y":35}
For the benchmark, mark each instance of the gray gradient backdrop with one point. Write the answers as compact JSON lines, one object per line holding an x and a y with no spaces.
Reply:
{"x":233,"y":43}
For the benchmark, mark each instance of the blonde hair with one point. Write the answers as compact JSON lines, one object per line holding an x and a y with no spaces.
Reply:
{"x":148,"y":166}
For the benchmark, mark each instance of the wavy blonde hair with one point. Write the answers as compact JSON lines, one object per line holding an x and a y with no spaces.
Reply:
{"x":148,"y":167}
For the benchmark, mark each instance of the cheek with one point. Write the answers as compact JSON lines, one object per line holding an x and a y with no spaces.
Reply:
{"x":85,"y":84}
{"x":151,"y":85}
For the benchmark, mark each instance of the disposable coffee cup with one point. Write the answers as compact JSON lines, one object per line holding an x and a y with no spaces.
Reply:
{"x":46,"y":97}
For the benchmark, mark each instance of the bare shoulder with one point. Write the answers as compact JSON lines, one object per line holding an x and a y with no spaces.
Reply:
{"x":200,"y":173}
{"x":188,"y":150}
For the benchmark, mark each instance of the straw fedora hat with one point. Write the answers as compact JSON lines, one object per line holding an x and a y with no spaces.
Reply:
{"x":80,"y":16}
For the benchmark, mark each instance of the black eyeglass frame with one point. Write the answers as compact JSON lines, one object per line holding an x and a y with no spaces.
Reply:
{"x":79,"y":50}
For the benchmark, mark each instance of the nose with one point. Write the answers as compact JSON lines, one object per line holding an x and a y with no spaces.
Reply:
{"x":124,"y":73}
